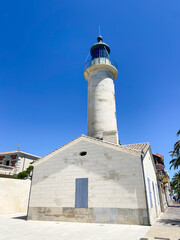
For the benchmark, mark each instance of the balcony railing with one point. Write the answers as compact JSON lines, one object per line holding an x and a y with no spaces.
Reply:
{"x":100,"y":60}
{"x":159,"y":166}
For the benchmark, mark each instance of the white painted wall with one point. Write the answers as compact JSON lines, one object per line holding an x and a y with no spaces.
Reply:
{"x":115,"y":177}
{"x":14,"y":195}
{"x":150,"y":172}
{"x":23,"y":162}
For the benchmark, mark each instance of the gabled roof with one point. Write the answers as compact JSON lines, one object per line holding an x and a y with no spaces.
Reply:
{"x":138,"y":147}
{"x":135,"y":149}
{"x":18,"y":151}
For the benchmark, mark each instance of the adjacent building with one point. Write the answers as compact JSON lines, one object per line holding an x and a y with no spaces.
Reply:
{"x":13,"y":162}
{"x":163,"y":179}
{"x":93,"y":178}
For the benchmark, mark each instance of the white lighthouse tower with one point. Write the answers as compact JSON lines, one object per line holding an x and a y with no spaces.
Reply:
{"x":100,"y":72}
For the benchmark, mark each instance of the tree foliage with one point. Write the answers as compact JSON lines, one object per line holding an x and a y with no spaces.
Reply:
{"x":174,"y":183}
{"x":175,"y":154}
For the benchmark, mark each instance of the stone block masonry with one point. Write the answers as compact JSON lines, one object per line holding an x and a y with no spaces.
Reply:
{"x":90,"y":215}
{"x":115,"y":185}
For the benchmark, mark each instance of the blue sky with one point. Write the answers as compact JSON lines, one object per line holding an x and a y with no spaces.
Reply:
{"x":43,"y":47}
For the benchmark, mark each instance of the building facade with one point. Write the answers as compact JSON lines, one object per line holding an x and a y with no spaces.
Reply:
{"x":13,"y":162}
{"x":163,"y":179}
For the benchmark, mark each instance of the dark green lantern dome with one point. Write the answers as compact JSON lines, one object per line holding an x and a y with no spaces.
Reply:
{"x":100,"y":49}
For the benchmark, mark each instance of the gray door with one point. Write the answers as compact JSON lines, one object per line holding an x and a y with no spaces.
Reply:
{"x":81,"y":200}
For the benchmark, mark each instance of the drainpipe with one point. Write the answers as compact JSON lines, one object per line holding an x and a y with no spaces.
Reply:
{"x":142,"y":157}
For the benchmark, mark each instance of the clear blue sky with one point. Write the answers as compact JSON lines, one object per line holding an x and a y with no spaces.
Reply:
{"x":43,"y":46}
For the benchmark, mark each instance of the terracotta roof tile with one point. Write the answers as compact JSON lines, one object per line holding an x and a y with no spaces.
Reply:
{"x":136,"y":147}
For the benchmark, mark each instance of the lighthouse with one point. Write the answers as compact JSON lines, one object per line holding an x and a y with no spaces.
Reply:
{"x":94,"y":179}
{"x":100,"y":72}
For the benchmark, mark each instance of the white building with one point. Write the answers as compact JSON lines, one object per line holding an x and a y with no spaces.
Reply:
{"x":94,"y":178}
{"x":13,"y":162}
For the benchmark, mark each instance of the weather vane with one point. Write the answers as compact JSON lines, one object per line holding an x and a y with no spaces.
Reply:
{"x":18,"y":146}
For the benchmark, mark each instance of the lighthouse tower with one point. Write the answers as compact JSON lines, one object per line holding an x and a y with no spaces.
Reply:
{"x":100,"y":72}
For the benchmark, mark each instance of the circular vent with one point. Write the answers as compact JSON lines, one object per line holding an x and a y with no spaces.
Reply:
{"x":82,"y":153}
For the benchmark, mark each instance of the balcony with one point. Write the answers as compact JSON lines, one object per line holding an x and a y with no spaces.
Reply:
{"x":159,"y":166}
{"x":100,"y":60}
{"x":6,"y":169}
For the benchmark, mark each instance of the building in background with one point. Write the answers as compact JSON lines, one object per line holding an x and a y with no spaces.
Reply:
{"x":163,"y":178}
{"x":93,"y":178}
{"x":13,"y":162}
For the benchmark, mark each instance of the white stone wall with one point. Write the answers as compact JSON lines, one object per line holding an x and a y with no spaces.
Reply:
{"x":150,"y":172}
{"x":14,"y":195}
{"x":101,"y":104}
{"x":101,"y":99}
{"x":115,"y":178}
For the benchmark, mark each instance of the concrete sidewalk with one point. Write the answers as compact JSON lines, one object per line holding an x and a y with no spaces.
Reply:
{"x":16,"y":227}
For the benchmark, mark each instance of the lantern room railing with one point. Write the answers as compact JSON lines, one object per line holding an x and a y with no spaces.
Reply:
{"x":100,"y":60}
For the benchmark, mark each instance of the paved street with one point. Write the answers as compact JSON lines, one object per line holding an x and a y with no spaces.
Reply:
{"x":167,"y":226}
{"x":171,"y":217}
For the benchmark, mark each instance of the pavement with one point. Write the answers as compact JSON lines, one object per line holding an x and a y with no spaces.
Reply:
{"x":167,"y":226}
{"x":15,"y":226}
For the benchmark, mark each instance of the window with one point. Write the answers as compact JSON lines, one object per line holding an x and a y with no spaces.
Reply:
{"x":150,"y":193}
{"x":100,"y":52}
{"x":13,"y":163}
{"x":81,"y":194}
{"x":82,"y":153}
{"x":7,"y":163}
{"x":157,"y":193}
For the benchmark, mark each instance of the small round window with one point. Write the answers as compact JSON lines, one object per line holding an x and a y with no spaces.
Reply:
{"x":82,"y":153}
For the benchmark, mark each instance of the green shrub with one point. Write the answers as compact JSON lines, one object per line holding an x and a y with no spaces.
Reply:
{"x":29,"y":169}
{"x":25,"y":174}
{"x":22,"y":175}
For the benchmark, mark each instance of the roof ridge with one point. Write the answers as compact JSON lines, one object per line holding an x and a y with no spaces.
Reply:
{"x":10,"y":151}
{"x":135,"y":143}
{"x":19,"y":151}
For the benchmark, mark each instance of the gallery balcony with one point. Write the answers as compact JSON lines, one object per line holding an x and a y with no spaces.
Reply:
{"x":100,"y":60}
